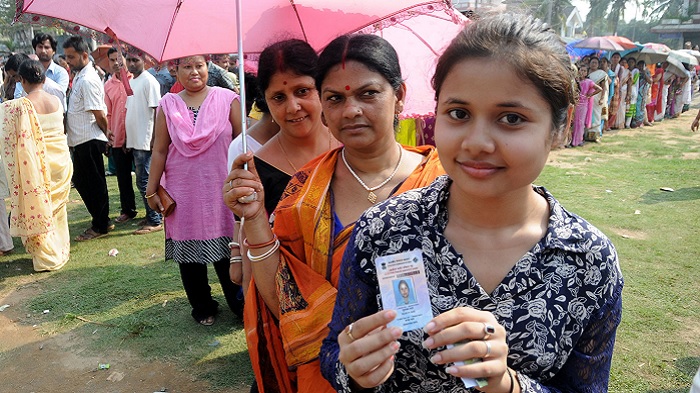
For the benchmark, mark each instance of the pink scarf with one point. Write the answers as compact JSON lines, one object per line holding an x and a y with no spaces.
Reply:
{"x":192,"y":139}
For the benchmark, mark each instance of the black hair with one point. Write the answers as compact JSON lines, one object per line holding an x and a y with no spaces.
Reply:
{"x":14,"y":61}
{"x":533,"y":50}
{"x":32,"y":71}
{"x":293,"y":55}
{"x":372,"y":51}
{"x":253,"y":95}
{"x":41,"y":37}
{"x":641,"y":63}
{"x":112,"y":50}
{"x":77,"y":43}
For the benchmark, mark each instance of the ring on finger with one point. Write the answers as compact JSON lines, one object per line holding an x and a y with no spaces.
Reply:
{"x":230,"y":184}
{"x":349,"y":331}
{"x":488,"y":331}
{"x":488,"y":349}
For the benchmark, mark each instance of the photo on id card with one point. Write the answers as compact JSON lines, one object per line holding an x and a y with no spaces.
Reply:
{"x":404,"y":288}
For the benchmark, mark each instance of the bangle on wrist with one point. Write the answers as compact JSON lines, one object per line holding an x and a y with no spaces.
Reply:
{"x":152,"y":195}
{"x":266,"y":254}
{"x":233,"y":245}
{"x":261,"y":245}
{"x":512,"y":380}
{"x":236,"y":259}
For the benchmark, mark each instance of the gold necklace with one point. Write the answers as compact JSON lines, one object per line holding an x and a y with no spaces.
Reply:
{"x":372,"y":197}
{"x":286,"y":157}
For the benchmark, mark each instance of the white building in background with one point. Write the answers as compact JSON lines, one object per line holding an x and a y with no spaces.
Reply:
{"x":573,"y":23}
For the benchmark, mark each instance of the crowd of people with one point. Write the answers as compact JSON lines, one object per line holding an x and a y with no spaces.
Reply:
{"x":525,"y":295}
{"x":618,"y":93}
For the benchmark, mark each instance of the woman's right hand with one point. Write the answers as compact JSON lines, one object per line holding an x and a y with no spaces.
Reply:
{"x":367,"y":349}
{"x":243,"y":191}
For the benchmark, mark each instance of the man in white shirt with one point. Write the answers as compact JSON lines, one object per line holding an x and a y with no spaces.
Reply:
{"x":88,"y":136}
{"x":140,"y":122}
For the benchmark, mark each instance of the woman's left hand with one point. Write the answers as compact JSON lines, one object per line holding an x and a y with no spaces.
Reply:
{"x":474,"y":334}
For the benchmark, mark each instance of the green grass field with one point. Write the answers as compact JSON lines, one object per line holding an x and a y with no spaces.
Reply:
{"x":614,"y":184}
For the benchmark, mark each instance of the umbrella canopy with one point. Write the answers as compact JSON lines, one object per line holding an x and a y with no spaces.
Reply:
{"x":169,"y":29}
{"x":683,"y":57}
{"x":419,"y":41}
{"x":599,"y":43}
{"x":577,"y":53}
{"x":624,"y":42}
{"x":676,"y":67}
{"x":653,"y":53}
{"x":692,"y":52}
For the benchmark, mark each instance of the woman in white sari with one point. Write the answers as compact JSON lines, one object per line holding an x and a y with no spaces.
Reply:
{"x":624,"y":76}
{"x":600,"y":100}
{"x":38,"y":168}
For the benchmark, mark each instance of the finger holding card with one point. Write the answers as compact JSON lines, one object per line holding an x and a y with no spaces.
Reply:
{"x":367,"y":348}
{"x":476,"y":346}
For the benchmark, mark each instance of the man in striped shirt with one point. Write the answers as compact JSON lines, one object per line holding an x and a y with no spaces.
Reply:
{"x":88,"y":136}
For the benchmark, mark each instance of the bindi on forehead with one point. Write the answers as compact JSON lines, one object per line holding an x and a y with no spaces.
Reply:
{"x":347,"y":87}
{"x":284,"y":83}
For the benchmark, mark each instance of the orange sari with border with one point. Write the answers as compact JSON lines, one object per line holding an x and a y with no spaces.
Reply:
{"x":284,"y":354}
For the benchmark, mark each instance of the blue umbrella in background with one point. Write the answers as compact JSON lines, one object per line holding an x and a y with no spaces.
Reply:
{"x":577,"y":53}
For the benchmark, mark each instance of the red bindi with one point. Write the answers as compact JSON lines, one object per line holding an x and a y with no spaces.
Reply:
{"x":284,"y":83}
{"x":347,"y":87}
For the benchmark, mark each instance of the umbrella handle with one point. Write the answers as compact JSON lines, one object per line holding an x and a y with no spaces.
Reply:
{"x":241,"y":78}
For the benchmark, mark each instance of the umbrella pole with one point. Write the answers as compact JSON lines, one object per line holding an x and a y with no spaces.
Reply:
{"x":241,"y":77}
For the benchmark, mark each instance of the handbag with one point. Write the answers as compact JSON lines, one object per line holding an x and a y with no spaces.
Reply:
{"x":166,"y":200}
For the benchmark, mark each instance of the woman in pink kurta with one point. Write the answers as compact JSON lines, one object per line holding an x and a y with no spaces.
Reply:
{"x":193,"y":131}
{"x":582,"y":116}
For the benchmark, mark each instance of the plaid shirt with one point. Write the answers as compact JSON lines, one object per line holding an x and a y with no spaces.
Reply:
{"x":218,"y":77}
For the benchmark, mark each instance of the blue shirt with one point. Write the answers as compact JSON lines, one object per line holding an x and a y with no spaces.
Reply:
{"x":560,"y":304}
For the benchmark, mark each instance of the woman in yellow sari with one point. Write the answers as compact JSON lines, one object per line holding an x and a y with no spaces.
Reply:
{"x":38,"y":168}
{"x":295,"y":264}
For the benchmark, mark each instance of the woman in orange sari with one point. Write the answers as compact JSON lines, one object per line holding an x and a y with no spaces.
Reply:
{"x":295,"y":263}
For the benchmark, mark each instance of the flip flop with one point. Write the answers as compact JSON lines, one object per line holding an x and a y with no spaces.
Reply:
{"x":208,"y":321}
{"x":89,"y":234}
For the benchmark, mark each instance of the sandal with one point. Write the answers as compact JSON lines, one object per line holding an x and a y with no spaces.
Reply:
{"x":89,"y":234}
{"x":208,"y":321}
{"x":6,"y":252}
{"x":123,"y":218}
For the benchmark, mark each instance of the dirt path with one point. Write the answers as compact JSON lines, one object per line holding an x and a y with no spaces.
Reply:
{"x":30,"y":362}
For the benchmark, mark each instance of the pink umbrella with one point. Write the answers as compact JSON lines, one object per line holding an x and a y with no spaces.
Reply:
{"x":419,"y":41}
{"x":169,"y":29}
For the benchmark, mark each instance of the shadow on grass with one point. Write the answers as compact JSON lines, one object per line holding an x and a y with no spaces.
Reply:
{"x":142,"y":308}
{"x":687,"y":366}
{"x":14,"y":265}
{"x":684,"y":194}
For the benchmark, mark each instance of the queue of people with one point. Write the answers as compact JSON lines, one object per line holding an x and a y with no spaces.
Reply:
{"x":524,"y":296}
{"x":626,"y":93}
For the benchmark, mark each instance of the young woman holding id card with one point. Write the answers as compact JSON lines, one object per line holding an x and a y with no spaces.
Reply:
{"x":524,"y":295}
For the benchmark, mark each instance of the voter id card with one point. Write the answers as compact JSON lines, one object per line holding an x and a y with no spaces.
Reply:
{"x":404,"y":288}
